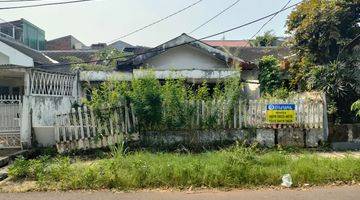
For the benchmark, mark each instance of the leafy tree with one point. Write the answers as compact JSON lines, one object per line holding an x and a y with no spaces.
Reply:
{"x":322,"y":28}
{"x":106,"y":55}
{"x":270,"y":75}
{"x":70,"y":59}
{"x":339,"y":83}
{"x":268,"y":39}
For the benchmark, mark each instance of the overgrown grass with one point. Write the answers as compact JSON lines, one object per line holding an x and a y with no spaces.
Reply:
{"x":236,"y":167}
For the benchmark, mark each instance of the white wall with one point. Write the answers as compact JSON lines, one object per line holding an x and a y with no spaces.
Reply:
{"x":9,"y":55}
{"x":184,"y":57}
{"x":4,"y":59}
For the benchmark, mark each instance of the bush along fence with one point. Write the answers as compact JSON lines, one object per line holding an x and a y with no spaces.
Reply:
{"x":88,"y":128}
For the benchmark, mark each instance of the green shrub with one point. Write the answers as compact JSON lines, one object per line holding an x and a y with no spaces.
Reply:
{"x":146,"y":98}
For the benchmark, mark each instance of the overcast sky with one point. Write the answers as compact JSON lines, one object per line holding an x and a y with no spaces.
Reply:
{"x":105,"y":20}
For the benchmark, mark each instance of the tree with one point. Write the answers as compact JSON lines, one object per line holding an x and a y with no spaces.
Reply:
{"x":268,"y":39}
{"x":321,"y":29}
{"x":325,"y":35}
{"x":106,"y":56}
{"x":339,"y":83}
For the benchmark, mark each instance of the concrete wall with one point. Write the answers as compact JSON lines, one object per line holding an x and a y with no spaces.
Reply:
{"x":39,"y":117}
{"x":292,"y":137}
{"x":13,"y":56}
{"x":184,"y":57}
{"x":344,"y":133}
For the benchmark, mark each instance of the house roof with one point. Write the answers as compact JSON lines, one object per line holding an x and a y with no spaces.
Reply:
{"x":183,"y":39}
{"x":227,"y":43}
{"x":120,"y":45}
{"x":38,"y":57}
{"x":253,"y":54}
{"x":85,"y":55}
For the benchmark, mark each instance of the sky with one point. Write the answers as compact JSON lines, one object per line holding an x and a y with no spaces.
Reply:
{"x":105,"y":20}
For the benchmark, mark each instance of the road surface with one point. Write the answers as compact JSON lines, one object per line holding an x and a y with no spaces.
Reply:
{"x":326,"y":193}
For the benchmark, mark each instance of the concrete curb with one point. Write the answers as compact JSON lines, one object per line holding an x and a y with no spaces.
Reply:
{"x":6,"y":160}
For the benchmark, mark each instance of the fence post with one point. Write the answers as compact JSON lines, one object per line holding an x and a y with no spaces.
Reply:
{"x":81,"y":124}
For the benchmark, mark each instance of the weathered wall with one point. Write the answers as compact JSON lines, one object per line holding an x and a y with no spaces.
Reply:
{"x":265,"y":137}
{"x":44,"y":108}
{"x":184,"y":57}
{"x":42,"y":119}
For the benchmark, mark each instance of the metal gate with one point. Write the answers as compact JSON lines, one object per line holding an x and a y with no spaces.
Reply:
{"x":10,"y":107}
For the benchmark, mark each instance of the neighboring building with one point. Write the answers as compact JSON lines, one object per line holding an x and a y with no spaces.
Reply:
{"x":24,"y":32}
{"x":30,"y":96}
{"x":65,"y":43}
{"x":15,"y":53}
{"x":120,"y":45}
{"x":99,"y":46}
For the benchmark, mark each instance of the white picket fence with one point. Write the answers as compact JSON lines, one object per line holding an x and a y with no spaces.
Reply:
{"x":82,"y":128}
{"x":10,"y":110}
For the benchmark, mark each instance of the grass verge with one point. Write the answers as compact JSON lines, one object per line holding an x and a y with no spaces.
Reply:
{"x":237,"y":167}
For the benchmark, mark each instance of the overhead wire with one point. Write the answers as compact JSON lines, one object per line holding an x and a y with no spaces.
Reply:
{"x":267,"y":22}
{"x":214,"y":17}
{"x":44,"y":4}
{"x":185,"y":43}
{"x":156,"y":22}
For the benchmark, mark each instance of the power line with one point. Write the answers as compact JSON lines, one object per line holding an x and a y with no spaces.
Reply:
{"x":185,"y":43}
{"x":17,"y":1}
{"x":217,"y":15}
{"x":156,"y":22}
{"x":269,"y":20}
{"x":44,"y":4}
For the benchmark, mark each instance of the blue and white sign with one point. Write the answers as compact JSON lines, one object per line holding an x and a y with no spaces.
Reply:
{"x":280,"y":107}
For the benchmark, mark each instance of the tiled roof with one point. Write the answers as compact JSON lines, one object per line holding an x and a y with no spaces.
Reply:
{"x":38,"y":57}
{"x":85,"y":55}
{"x":227,"y":43}
{"x":138,"y":60}
{"x":254,"y":54}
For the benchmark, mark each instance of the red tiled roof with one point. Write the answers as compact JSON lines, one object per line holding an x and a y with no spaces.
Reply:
{"x":227,"y":43}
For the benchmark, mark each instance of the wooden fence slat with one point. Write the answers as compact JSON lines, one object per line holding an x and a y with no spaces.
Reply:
{"x":81,"y":124}
{"x":87,"y":122}
{"x":76,"y":125}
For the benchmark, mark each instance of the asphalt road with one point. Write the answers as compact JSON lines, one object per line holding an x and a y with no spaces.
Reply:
{"x":327,"y":193}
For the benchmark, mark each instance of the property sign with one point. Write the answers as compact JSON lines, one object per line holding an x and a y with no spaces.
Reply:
{"x":280,"y":113}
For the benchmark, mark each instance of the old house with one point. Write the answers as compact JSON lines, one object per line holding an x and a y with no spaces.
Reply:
{"x":183,"y":57}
